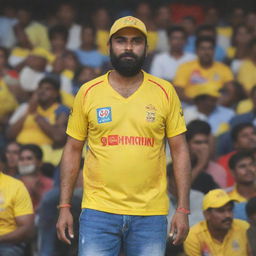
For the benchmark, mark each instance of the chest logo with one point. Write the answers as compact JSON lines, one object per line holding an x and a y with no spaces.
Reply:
{"x":150,"y":113}
{"x":235,"y":245}
{"x":104,"y":115}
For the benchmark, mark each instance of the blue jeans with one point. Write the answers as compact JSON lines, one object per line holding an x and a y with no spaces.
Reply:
{"x":103,"y":234}
{"x":12,"y":249}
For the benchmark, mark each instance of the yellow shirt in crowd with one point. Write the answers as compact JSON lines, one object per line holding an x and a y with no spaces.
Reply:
{"x":234,"y":195}
{"x":200,"y":243}
{"x":192,"y":74}
{"x":247,"y":75}
{"x":125,"y":165}
{"x":14,"y":202}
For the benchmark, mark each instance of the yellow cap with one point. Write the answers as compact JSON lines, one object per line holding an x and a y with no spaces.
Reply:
{"x":208,"y":88}
{"x":215,"y":198}
{"x":41,"y":52}
{"x":128,"y":22}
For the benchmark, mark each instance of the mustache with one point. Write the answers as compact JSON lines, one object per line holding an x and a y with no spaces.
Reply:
{"x":128,"y":54}
{"x":227,"y":220}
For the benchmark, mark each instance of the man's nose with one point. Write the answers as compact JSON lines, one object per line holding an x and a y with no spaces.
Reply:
{"x":128,"y":46}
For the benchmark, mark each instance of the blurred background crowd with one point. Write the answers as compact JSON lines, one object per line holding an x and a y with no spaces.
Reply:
{"x":48,"y":49}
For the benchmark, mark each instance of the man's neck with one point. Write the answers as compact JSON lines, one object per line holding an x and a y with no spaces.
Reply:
{"x":47,"y":105}
{"x":246,"y":190}
{"x":125,"y":85}
{"x":176,"y":53}
{"x":218,"y":235}
{"x":87,"y":47}
{"x":206,"y":65}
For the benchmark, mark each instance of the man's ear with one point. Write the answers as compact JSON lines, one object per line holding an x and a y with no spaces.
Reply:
{"x":206,"y":214}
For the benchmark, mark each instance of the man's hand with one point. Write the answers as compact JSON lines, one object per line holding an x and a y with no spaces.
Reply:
{"x":65,"y":222}
{"x":179,"y":228}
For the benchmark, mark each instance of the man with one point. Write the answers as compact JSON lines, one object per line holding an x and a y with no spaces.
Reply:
{"x":206,"y":174}
{"x":165,"y":64}
{"x":242,"y":165}
{"x":124,"y":116}
{"x":16,"y":216}
{"x":29,"y":168}
{"x":206,"y":108}
{"x":243,"y":138}
{"x":202,"y":70}
{"x":219,"y":233}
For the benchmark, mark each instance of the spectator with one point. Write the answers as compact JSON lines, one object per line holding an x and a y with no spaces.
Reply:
{"x":201,"y":71}
{"x":162,"y":20}
{"x":16,"y":216}
{"x":242,"y":165}
{"x":207,"y":108}
{"x":66,"y":14}
{"x":247,"y":71}
{"x":209,"y":30}
{"x":29,"y":167}
{"x":164,"y":65}
{"x":11,"y":158}
{"x":42,"y":121}
{"x":231,"y":94}
{"x":219,"y":233}
{"x":87,"y":54}
{"x":36,"y":32}
{"x":251,"y":232}
{"x":238,"y":51}
{"x":101,"y":21}
{"x":243,"y":138}
{"x":189,"y":24}
{"x":201,"y":144}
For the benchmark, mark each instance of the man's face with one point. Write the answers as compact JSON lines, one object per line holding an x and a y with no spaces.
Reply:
{"x":66,"y":14}
{"x":220,"y":219}
{"x":177,"y":40}
{"x":12,"y":155}
{"x":198,"y":143}
{"x":28,"y":162}
{"x":244,"y":171}
{"x":58,"y":42}
{"x":47,"y":93}
{"x":205,"y":52}
{"x":246,"y":139}
{"x":88,"y":36}
{"x":128,"y":51}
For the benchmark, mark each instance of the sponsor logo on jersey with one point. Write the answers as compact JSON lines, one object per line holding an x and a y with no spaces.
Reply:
{"x":104,"y":115}
{"x":235,"y":245}
{"x":115,"y":140}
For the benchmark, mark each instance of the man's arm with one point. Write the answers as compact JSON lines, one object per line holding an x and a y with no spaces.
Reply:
{"x":69,"y":167}
{"x":23,"y":232}
{"x":182,"y":174}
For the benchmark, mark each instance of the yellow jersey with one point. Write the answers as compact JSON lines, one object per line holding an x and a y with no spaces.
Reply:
{"x":200,"y":243}
{"x":125,"y":165}
{"x":191,"y":74}
{"x":15,"y":201}
{"x":234,"y":195}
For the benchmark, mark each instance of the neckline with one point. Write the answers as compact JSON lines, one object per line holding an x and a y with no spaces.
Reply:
{"x":133,"y":94}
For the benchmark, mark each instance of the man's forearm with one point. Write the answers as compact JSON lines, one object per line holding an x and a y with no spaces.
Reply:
{"x":70,"y":165}
{"x":182,"y":172}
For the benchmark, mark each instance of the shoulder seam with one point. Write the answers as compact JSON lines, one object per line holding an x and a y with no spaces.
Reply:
{"x":161,"y":87}
{"x":92,"y":87}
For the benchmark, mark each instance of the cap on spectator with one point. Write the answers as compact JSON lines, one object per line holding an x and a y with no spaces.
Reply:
{"x":208,"y":88}
{"x":128,"y":22}
{"x":215,"y":198}
{"x":41,"y":52}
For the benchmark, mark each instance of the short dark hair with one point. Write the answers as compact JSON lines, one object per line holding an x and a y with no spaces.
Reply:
{"x":52,"y":81}
{"x":197,"y":127}
{"x":202,"y":39}
{"x":238,"y":156}
{"x":37,"y":151}
{"x":58,"y":30}
{"x":174,"y":29}
{"x":205,"y":27}
{"x":250,"y":207}
{"x":238,"y":128}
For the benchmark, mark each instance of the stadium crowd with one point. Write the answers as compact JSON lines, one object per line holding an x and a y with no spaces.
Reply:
{"x":210,"y":60}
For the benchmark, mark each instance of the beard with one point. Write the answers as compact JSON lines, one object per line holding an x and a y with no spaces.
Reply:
{"x":127,"y":67}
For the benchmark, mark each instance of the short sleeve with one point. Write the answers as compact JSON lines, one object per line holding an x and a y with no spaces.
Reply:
{"x":77,"y":123}
{"x":22,"y":204}
{"x":175,"y":122}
